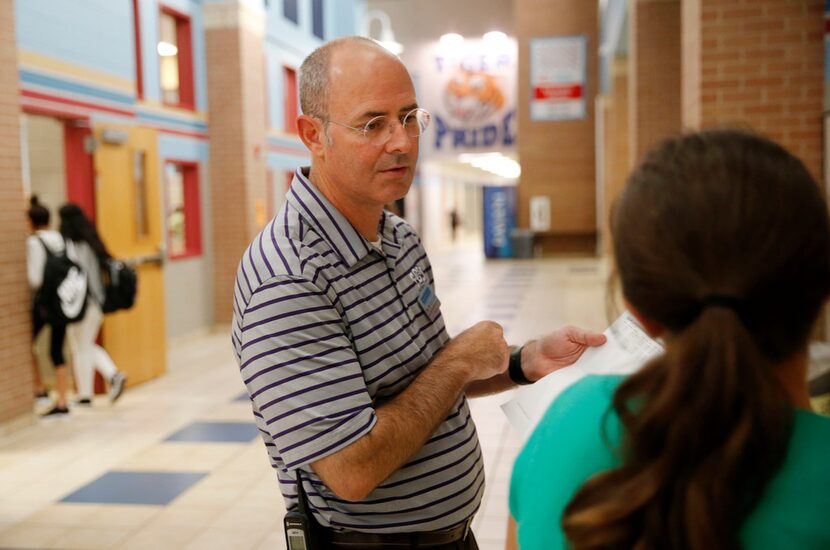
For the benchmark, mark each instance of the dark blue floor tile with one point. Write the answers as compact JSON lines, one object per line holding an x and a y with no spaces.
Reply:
{"x":217,"y":432}
{"x":157,"y":488}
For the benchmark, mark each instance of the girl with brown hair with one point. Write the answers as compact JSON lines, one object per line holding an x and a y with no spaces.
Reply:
{"x":722,"y":244}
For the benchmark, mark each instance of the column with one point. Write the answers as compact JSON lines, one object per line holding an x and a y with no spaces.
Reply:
{"x":234,"y":33}
{"x":16,"y":388}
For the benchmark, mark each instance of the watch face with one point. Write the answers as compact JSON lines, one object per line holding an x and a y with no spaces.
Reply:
{"x":514,"y":367}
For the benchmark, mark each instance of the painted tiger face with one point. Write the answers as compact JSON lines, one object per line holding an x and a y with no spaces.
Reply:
{"x":472,"y":96}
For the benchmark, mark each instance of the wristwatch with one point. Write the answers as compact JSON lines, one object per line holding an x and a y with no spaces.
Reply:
{"x":514,"y":367}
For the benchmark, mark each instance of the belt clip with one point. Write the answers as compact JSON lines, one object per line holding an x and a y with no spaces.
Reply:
{"x":467,"y":529}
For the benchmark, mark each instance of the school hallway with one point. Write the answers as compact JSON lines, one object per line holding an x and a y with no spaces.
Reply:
{"x":178,"y":462}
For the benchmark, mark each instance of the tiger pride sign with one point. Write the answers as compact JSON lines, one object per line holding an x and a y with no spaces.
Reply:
{"x":470,"y":90}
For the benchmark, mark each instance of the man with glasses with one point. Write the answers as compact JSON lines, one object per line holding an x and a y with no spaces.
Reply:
{"x":356,"y":387}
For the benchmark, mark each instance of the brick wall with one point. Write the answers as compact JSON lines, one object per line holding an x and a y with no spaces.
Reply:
{"x":655,"y":69}
{"x":15,"y":324}
{"x":757,"y":64}
{"x":558,"y":157}
{"x":236,"y":108}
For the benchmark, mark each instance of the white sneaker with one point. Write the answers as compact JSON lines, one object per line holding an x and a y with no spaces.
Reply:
{"x":117,"y":386}
{"x":42,"y":401}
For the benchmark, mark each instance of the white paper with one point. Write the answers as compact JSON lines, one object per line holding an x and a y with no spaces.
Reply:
{"x":627,"y":349}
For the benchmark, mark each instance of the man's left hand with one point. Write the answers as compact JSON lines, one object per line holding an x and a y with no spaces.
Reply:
{"x":558,"y":349}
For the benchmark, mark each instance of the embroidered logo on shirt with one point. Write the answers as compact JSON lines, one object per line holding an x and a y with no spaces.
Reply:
{"x":417,"y":275}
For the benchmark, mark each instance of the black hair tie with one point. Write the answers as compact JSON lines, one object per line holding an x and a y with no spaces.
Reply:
{"x":723,"y":300}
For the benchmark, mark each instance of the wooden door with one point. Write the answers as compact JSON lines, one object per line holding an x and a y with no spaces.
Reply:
{"x":129,"y":221}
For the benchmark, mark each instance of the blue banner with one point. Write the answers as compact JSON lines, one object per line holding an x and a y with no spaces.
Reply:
{"x":499,"y":220}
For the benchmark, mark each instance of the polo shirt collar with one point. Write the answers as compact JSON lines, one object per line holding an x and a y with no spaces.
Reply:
{"x":390,"y":236}
{"x":312,"y":205}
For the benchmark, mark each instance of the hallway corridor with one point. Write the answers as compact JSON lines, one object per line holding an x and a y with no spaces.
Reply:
{"x":178,"y":463}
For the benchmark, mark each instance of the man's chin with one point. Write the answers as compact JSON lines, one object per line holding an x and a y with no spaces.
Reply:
{"x":395,"y":189}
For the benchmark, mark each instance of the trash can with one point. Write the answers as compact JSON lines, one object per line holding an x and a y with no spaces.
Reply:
{"x":521,"y":240}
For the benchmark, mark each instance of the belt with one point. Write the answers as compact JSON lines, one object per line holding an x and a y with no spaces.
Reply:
{"x":421,"y":539}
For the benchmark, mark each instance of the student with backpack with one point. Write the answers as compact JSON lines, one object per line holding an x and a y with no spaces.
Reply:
{"x":86,"y":248}
{"x":46,"y":246}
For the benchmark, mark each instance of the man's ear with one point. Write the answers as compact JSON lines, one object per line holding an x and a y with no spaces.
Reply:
{"x":312,"y":133}
{"x":653,"y":328}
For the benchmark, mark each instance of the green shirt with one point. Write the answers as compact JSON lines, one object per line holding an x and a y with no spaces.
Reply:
{"x":567,"y":447}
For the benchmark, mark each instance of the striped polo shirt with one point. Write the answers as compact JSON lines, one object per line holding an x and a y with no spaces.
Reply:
{"x":326,"y":326}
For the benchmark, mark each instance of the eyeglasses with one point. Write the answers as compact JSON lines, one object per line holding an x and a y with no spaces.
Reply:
{"x":379,"y":129}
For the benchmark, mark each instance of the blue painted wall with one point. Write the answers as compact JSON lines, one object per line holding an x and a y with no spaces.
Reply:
{"x":94,"y":33}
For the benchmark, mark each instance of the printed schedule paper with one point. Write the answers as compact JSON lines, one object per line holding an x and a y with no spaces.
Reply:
{"x":627,"y":349}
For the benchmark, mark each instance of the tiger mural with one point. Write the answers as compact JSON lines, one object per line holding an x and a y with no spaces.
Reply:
{"x":472,"y":96}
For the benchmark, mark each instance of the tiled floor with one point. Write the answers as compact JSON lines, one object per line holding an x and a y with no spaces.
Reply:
{"x":178,"y":464}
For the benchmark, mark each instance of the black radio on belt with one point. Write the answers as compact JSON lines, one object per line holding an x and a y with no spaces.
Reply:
{"x":299,"y":523}
{"x":297,"y":532}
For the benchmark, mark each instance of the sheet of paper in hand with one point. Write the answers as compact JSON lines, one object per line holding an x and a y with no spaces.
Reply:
{"x":627,"y":349}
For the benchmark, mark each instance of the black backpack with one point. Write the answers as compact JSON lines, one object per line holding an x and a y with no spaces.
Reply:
{"x":62,"y":297}
{"x":120,"y":285}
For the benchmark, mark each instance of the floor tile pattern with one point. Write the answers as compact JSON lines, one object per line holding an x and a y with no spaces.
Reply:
{"x":158,"y":488}
{"x":232,"y":432}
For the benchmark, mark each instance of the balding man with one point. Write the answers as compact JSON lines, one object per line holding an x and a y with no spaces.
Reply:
{"x":356,"y":387}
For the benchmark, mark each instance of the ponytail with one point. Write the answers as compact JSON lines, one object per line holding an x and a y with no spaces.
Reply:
{"x":75,"y":226}
{"x":737,"y":220}
{"x":706,"y":426}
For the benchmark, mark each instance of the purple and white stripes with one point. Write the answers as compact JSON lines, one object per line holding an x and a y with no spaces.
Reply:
{"x":324,"y":325}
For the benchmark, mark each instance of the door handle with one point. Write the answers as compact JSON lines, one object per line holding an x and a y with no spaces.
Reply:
{"x":135,"y":261}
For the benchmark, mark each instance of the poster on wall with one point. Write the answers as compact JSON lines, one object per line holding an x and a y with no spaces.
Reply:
{"x":470,"y":90}
{"x":557,"y":78}
{"x":499,"y":220}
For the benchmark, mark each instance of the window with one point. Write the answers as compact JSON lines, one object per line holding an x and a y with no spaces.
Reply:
{"x":184,"y":230}
{"x":317,"y":18}
{"x":139,"y":76}
{"x":290,"y":110}
{"x":289,"y":10}
{"x":140,"y":213}
{"x":175,"y":59}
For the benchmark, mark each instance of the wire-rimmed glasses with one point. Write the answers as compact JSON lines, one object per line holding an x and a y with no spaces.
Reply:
{"x":379,"y":129}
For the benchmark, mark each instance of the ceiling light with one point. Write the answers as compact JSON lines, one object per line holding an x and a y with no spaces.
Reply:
{"x":451,"y":40}
{"x":495,"y":36}
{"x":166,"y":49}
{"x":494,"y":163}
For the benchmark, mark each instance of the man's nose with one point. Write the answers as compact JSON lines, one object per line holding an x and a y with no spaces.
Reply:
{"x":399,"y":140}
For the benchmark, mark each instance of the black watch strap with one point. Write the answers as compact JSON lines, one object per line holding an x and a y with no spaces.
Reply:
{"x":514,"y":367}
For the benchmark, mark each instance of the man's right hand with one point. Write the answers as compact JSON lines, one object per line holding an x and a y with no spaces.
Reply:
{"x":405,"y":422}
{"x":480,"y":352}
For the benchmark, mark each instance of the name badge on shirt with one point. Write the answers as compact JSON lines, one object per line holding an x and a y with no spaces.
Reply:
{"x":428,"y":301}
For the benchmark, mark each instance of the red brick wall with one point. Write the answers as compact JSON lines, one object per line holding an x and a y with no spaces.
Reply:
{"x":655,"y":69}
{"x":237,"y":145}
{"x":757,"y":64}
{"x":15,"y":328}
